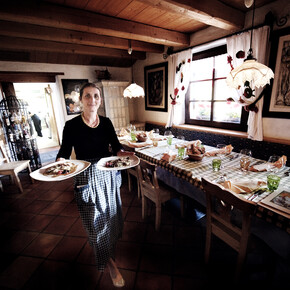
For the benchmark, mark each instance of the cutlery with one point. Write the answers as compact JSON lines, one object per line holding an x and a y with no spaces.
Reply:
{"x":257,"y":192}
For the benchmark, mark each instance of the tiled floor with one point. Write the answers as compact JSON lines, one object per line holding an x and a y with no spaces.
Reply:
{"x":43,"y":246}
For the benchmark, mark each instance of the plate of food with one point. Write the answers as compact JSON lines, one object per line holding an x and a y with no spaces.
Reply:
{"x":118,"y":162}
{"x":60,"y":170}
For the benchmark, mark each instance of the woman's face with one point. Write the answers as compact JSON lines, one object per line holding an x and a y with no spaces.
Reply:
{"x":91,"y":100}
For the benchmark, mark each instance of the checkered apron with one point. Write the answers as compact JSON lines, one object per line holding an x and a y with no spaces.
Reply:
{"x":97,"y":194}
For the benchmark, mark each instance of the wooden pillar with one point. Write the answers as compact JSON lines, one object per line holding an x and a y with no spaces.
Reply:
{"x":8,"y":89}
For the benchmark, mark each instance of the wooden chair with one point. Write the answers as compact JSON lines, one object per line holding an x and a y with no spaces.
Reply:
{"x":220,"y":205}
{"x":13,"y":168}
{"x":154,"y":190}
{"x":130,"y":172}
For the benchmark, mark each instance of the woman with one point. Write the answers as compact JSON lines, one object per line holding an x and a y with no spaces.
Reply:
{"x":97,"y":192}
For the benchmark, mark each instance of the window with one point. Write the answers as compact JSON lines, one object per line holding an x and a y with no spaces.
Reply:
{"x":206,"y":98}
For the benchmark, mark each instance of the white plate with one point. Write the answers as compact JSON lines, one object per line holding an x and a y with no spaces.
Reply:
{"x":38,"y":174}
{"x":102,"y":162}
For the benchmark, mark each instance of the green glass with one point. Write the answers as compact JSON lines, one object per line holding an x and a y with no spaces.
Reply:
{"x":216,"y":164}
{"x":169,"y":140}
{"x":133,"y":136}
{"x":181,"y":152}
{"x":273,"y":182}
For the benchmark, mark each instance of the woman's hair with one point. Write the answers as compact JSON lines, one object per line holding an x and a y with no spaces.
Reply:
{"x":89,"y":85}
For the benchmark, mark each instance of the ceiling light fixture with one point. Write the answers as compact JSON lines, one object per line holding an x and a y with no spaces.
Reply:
{"x":250,"y":71}
{"x":133,"y":90}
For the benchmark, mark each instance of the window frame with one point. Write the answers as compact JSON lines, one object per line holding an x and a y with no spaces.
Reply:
{"x":222,"y":125}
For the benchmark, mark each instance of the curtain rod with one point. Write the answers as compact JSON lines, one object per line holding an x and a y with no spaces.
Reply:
{"x":235,"y":33}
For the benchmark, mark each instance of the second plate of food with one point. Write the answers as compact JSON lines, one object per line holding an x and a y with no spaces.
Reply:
{"x":118,"y":162}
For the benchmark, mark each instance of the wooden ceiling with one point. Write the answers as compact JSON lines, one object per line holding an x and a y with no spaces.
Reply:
{"x":99,"y":32}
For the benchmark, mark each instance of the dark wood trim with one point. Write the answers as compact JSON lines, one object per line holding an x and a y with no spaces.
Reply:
{"x":28,"y":77}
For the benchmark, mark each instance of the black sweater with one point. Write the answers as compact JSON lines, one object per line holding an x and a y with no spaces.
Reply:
{"x":88,"y":143}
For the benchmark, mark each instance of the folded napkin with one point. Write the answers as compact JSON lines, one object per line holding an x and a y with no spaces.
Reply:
{"x":226,"y":150}
{"x":263,"y":167}
{"x":139,"y":144}
{"x":246,"y":187}
{"x":169,"y":156}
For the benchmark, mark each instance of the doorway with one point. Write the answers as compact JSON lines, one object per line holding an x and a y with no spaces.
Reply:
{"x":41,"y":111}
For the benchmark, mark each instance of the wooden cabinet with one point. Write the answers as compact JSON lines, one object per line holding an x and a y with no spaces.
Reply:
{"x":114,"y":106}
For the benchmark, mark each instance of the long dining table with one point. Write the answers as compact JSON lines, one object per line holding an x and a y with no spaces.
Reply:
{"x":185,"y":176}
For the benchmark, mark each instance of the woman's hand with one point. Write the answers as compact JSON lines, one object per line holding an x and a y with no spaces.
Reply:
{"x":60,"y":159}
{"x":125,"y":153}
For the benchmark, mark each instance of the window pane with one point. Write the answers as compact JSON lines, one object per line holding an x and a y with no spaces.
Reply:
{"x":199,"y":110}
{"x":229,"y":112}
{"x":222,"y":68}
{"x":201,"y":91}
{"x":202,"y":69}
{"x":221,"y":90}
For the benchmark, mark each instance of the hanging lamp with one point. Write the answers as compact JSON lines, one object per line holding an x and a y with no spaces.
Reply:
{"x":133,"y":90}
{"x":251,"y":71}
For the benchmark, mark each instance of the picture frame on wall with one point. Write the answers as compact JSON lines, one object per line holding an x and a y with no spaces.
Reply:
{"x":277,"y":98}
{"x":156,"y":87}
{"x":71,"y":92}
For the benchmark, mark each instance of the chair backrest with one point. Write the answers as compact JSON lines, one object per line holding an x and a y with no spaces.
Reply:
{"x":3,"y":152}
{"x":147,"y":176}
{"x":223,"y":209}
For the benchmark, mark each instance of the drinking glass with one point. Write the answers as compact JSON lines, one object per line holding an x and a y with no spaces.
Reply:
{"x":216,"y":164}
{"x":245,"y":159}
{"x":133,"y":133}
{"x":156,"y":132}
{"x":169,"y":137}
{"x":273,"y":182}
{"x":181,"y":147}
{"x":271,"y":164}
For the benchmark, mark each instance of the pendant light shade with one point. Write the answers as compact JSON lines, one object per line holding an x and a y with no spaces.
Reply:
{"x":250,"y":70}
{"x":133,"y":91}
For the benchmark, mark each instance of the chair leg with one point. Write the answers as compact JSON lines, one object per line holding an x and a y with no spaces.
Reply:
{"x":207,"y":242}
{"x":144,"y":207}
{"x":1,"y":186}
{"x":158,"y":218}
{"x":29,"y":171}
{"x":17,"y":181}
{"x":129,"y":181}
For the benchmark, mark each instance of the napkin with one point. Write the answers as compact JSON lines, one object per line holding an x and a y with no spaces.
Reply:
{"x":226,"y":150}
{"x":246,"y":187}
{"x":263,"y":167}
{"x":138,"y":144}
{"x":170,"y":156}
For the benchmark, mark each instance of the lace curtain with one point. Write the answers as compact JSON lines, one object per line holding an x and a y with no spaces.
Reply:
{"x":260,"y":42}
{"x":180,"y":63}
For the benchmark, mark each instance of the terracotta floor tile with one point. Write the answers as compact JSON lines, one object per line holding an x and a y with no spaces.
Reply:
{"x":35,"y":207}
{"x":127,"y":255}
{"x":183,"y":283}
{"x":134,"y":232}
{"x":70,"y":210}
{"x":19,"y":272}
{"x":87,"y":255}
{"x":68,"y":249}
{"x":19,"y":241}
{"x":134,"y":214}
{"x":77,"y":229}
{"x":59,"y":275}
{"x":157,"y":259}
{"x":38,"y":223}
{"x":151,"y":281}
{"x":66,"y":196}
{"x":42,"y":245}
{"x":54,"y":208}
{"x":17,"y":221}
{"x":50,"y":194}
{"x":60,"y":225}
{"x":162,"y":237}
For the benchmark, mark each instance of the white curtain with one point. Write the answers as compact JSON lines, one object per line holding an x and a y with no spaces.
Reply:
{"x":260,"y":42}
{"x":181,"y":79}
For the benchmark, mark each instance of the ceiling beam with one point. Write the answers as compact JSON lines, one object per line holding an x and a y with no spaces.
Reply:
{"x":74,"y":19}
{"x":210,"y":12}
{"x":24,"y":44}
{"x":31,"y":31}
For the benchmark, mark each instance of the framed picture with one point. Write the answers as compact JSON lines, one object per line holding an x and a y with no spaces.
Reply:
{"x":279,"y":200}
{"x":71,"y":92}
{"x":156,"y":83}
{"x":277,"y":98}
